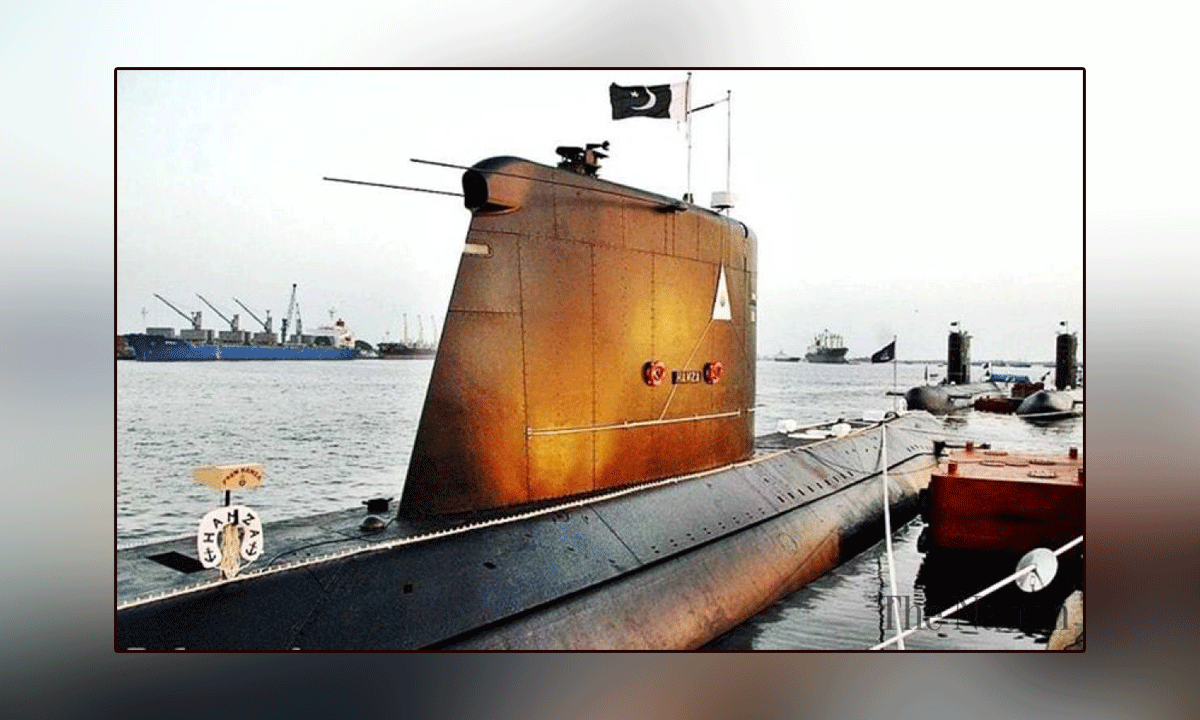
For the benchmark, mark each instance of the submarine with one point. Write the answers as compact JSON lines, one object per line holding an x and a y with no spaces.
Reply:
{"x":955,"y":392}
{"x":584,"y":473}
{"x":1065,"y":399}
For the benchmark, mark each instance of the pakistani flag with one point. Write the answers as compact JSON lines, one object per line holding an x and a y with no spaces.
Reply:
{"x":886,"y":354}
{"x":654,"y":101}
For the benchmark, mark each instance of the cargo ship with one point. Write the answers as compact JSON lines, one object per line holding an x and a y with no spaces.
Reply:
{"x":160,"y":344}
{"x":584,"y":473}
{"x":400,"y":350}
{"x":826,"y":348}
{"x":159,"y":348}
{"x":408,"y":350}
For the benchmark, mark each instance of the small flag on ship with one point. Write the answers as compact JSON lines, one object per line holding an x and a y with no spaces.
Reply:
{"x":654,"y":101}
{"x":886,"y":354}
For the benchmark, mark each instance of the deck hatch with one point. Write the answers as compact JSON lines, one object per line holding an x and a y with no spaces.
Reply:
{"x":177,"y":561}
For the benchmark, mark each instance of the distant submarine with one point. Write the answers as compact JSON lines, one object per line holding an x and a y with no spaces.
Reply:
{"x":1065,"y":399}
{"x":584,"y":474}
{"x":956,"y":390}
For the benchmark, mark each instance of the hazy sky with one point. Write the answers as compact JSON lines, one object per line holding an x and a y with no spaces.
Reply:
{"x":885,"y":202}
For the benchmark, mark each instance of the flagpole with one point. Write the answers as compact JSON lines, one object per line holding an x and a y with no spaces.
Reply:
{"x":687,"y":110}
{"x":894,"y":383}
{"x":728,"y":137}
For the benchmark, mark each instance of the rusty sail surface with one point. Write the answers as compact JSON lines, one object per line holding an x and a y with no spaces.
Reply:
{"x":568,"y":287}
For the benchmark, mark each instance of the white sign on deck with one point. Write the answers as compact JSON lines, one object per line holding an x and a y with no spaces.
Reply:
{"x":229,"y":477}
{"x":220,"y":529}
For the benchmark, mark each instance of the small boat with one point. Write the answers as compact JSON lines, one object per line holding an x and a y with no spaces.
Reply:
{"x":1007,"y":404}
{"x":781,"y":356}
{"x":1008,"y":378}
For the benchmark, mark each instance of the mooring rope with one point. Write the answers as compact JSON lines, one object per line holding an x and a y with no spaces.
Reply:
{"x":887,"y":532}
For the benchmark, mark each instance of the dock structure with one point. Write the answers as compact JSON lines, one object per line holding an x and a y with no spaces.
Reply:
{"x":999,"y":502}
{"x":1068,"y":631}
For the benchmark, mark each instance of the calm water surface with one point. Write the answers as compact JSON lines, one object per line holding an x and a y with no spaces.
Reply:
{"x":333,"y":434}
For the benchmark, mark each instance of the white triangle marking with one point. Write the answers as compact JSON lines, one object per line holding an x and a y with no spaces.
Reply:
{"x":721,"y":309}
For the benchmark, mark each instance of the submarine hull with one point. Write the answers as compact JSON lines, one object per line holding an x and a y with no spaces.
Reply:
{"x":694,"y":599}
{"x":1048,"y":404}
{"x":946,"y":399}
{"x":670,"y":565}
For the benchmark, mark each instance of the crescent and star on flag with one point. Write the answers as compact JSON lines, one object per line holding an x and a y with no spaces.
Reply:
{"x":649,"y":103}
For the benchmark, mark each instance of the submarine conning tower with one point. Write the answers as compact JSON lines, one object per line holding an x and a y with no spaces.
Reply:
{"x":597,"y":336}
{"x":958,"y":356}
{"x":1066,"y":345}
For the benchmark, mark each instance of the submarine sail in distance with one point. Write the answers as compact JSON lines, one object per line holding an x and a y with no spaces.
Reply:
{"x":584,"y":474}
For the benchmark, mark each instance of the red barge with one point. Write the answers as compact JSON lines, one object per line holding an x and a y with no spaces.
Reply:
{"x":1005,"y":503}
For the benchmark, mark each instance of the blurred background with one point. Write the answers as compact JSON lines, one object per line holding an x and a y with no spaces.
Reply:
{"x":57,"y":266}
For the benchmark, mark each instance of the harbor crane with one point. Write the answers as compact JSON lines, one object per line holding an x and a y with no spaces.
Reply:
{"x":266,"y":325}
{"x":292,"y":311}
{"x":233,"y":324}
{"x":194,"y":319}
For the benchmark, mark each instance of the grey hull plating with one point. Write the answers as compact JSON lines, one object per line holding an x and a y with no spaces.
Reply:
{"x":946,"y":399}
{"x":1049,"y":404}
{"x":669,"y":565}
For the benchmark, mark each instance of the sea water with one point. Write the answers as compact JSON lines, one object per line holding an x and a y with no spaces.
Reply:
{"x":334,"y":434}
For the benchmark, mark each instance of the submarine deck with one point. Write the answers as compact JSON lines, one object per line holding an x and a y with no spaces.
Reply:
{"x":324,"y":582}
{"x":168,"y":567}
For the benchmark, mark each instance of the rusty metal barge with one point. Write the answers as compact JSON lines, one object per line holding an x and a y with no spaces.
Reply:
{"x":584,"y":475}
{"x":994,"y":501}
